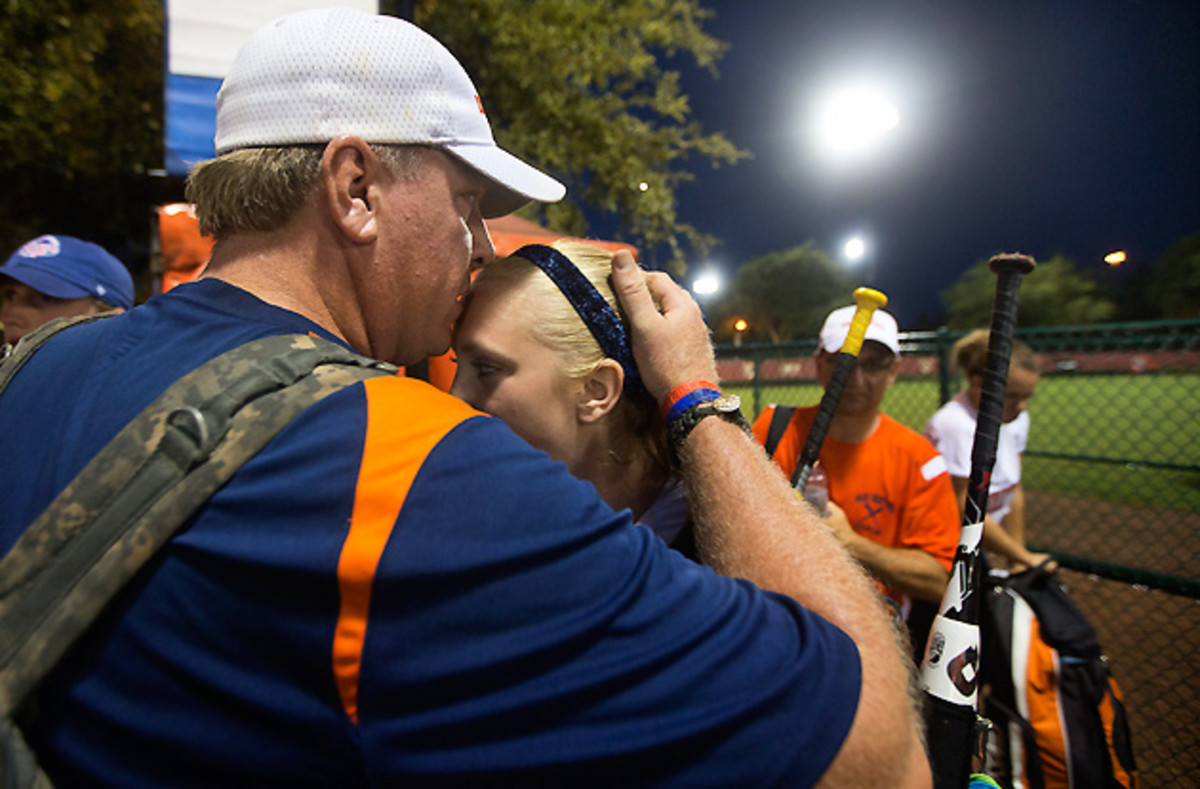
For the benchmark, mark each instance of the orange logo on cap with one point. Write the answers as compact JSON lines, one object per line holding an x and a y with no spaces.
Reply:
{"x":479,"y":102}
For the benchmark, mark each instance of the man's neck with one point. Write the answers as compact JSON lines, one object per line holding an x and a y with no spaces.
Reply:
{"x":854,"y":429}
{"x":281,"y":269}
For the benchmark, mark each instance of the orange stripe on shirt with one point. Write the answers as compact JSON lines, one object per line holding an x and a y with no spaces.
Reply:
{"x":406,"y":418}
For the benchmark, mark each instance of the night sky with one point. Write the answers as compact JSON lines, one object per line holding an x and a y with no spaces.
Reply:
{"x":1044,"y":127}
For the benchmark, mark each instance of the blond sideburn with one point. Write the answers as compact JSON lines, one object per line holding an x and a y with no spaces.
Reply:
{"x":639,"y":430}
{"x":261,"y":189}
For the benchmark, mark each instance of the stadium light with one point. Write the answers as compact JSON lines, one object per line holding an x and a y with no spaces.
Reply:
{"x":706,"y":284}
{"x":854,"y":249}
{"x":851,"y":121}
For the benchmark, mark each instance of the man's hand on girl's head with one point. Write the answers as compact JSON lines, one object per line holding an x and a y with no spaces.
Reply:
{"x":670,"y":340}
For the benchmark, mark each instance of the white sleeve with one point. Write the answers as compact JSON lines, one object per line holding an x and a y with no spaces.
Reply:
{"x":952,"y":432}
{"x":1021,"y":431}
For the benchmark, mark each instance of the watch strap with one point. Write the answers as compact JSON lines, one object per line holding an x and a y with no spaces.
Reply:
{"x":727,"y":407}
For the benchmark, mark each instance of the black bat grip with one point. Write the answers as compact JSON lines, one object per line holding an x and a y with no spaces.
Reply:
{"x":843,"y":366}
{"x":1009,"y":270}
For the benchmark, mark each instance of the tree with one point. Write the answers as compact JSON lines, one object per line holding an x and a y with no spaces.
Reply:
{"x":1173,"y":290}
{"x":785,"y":295}
{"x":1055,"y":293}
{"x":584,"y":91}
{"x":81,"y":86}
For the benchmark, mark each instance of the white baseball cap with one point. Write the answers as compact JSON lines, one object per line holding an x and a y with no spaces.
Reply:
{"x":310,"y":76}
{"x":881,"y":329}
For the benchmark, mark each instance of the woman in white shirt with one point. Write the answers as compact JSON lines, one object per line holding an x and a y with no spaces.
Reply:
{"x":952,"y":431}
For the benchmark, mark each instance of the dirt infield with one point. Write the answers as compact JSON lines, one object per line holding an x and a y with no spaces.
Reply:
{"x":1161,"y":541}
{"x":1150,"y":637}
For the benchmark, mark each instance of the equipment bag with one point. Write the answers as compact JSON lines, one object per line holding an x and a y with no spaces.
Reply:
{"x":1058,"y":712}
{"x":135,"y":493}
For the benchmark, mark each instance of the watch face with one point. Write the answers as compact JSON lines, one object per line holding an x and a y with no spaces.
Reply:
{"x":727,"y":403}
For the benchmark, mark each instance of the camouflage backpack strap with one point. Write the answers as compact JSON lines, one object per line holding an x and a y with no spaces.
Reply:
{"x":18,"y":766}
{"x":28,"y":345}
{"x":148,"y":480}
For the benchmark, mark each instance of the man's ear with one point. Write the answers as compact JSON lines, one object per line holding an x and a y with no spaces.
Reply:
{"x":601,"y":391}
{"x":350,"y":174}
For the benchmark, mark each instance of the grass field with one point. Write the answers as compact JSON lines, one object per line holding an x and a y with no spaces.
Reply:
{"x":1111,"y":425}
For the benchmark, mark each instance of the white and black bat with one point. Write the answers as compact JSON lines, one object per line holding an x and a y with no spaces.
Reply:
{"x":950,"y":669}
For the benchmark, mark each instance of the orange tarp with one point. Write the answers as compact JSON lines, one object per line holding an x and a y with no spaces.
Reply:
{"x":184,"y":251}
{"x":510,"y":233}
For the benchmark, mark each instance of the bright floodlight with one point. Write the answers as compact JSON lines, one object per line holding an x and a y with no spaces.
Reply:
{"x":853,"y":120}
{"x":706,"y":284}
{"x":1115,"y":258}
{"x":855,"y":248}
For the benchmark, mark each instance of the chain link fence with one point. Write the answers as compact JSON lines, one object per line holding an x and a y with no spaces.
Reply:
{"x":1112,"y":474}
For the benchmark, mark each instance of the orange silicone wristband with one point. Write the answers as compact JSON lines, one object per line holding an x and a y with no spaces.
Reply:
{"x":681,"y":391}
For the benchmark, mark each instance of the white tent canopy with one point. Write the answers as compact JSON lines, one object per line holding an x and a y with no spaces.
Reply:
{"x":203,"y":36}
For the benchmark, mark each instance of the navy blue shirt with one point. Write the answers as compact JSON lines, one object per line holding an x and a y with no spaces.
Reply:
{"x":399,"y":590}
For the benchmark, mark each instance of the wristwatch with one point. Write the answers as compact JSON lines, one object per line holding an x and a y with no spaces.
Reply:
{"x":727,"y":407}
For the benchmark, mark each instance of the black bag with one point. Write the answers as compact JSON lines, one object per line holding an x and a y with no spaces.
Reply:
{"x":135,"y":493}
{"x":1059,"y":716}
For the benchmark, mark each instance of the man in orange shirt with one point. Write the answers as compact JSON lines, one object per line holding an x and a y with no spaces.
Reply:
{"x":891,"y":500}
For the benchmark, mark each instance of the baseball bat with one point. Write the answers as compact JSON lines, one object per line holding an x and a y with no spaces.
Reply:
{"x":950,"y":669}
{"x":868,"y":301}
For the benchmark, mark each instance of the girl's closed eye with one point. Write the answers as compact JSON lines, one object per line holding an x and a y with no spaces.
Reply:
{"x":479,"y":364}
{"x":484,"y":367}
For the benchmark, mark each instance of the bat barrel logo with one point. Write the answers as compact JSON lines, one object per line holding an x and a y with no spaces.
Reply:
{"x":950,"y":670}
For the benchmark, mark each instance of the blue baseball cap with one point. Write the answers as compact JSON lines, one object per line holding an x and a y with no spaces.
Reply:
{"x":67,"y":268}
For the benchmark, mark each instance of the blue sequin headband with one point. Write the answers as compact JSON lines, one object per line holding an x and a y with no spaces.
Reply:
{"x":602,"y":321}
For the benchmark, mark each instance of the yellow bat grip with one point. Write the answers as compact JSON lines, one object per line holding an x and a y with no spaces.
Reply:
{"x":868,"y":301}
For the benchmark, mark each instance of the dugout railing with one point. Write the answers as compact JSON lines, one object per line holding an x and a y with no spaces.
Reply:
{"x":1112,"y":474}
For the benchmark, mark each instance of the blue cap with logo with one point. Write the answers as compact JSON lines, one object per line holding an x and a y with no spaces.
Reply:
{"x":67,"y":268}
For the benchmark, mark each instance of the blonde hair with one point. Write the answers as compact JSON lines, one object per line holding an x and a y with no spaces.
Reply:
{"x":639,"y":427}
{"x":970,"y":354}
{"x":261,"y":189}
